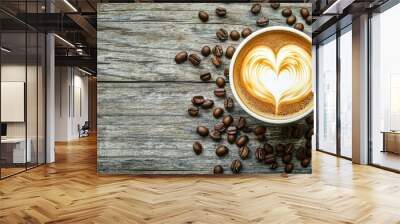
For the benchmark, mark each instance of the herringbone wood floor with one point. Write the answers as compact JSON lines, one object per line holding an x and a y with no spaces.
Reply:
{"x":70,"y":191}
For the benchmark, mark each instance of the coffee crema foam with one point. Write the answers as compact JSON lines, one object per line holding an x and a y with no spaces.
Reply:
{"x":273,"y":75}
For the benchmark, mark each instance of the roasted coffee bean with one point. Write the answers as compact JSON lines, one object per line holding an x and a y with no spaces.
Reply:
{"x":215,"y":135}
{"x":289,"y":167}
{"x":286,"y":12}
{"x":232,"y":130}
{"x":241,"y":123}
{"x":203,"y":16}
{"x":247,"y":129}
{"x":308,"y":152}
{"x":231,"y":138}
{"x":193,"y":111}
{"x":299,"y":26}
{"x":255,"y":9}
{"x":198,"y":100}
{"x":207,"y":104}
{"x":242,"y":140}
{"x":235,"y":35}
{"x":216,"y":62}
{"x":275,"y":5}
{"x":260,"y":154}
{"x":202,"y":131}
{"x":205,"y":77}
{"x":236,"y":166}
{"x":218,"y":112}
{"x":298,"y":132}
{"x":309,"y":20}
{"x":301,"y":153}
{"x":194,"y":59}
{"x":291,"y":20}
{"x":280,"y":149}
{"x":220,"y":82}
{"x":246,"y":32}
{"x":228,"y":119}
{"x":310,"y":120}
{"x":287,"y":158}
{"x":229,"y":52}
{"x":226,"y":72}
{"x":219,"y":127}
{"x":220,"y":92}
{"x":218,"y":51}
{"x":304,"y":12}
{"x":229,"y":104}
{"x":197,"y":148}
{"x":289,"y":148}
{"x":308,"y":144}
{"x":244,"y":152}
{"x":221,"y":12}
{"x":305,"y":162}
{"x":205,"y":51}
{"x":218,"y":169}
{"x":268,"y":148}
{"x":261,"y":138}
{"x":222,"y":34}
{"x":309,"y":133}
{"x":181,"y":57}
{"x":262,"y":22}
{"x":221,"y":150}
{"x":269,"y":159}
{"x":274,"y":165}
{"x":259,"y":130}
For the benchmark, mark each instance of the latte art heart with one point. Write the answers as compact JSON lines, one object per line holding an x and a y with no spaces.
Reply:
{"x":277,"y":77}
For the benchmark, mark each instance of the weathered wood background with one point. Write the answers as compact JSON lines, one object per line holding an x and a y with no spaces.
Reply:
{"x":143,"y":95}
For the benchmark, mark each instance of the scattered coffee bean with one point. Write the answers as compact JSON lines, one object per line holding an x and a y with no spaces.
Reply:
{"x":305,"y":162}
{"x":268,"y":148}
{"x":301,"y":153}
{"x":226,"y":72}
{"x":229,"y":104}
{"x":269,"y":159}
{"x":241,"y":123}
{"x":194,"y":59}
{"x":205,"y":77}
{"x":220,"y":82}
{"x":221,"y":12}
{"x":280,"y":149}
{"x":219,"y":92}
{"x":203,"y":16}
{"x":286,"y":12}
{"x":299,"y":26}
{"x":218,"y":112}
{"x":231,"y":138}
{"x":287,"y":158}
{"x":236,"y":166}
{"x":242,"y":140}
{"x":218,"y":169}
{"x":235,"y":35}
{"x":255,"y":9}
{"x":291,"y":20}
{"x":309,"y":133}
{"x":222,"y":34}
{"x":289,"y":148}
{"x":298,"y":132}
{"x":309,"y":20}
{"x":274,"y":165}
{"x":247,"y":129}
{"x":304,"y":12}
{"x":232,"y":130}
{"x":218,"y":51}
{"x":205,"y":51}
{"x":275,"y":5}
{"x":215,"y":135}
{"x":227,"y":120}
{"x":207,"y":104}
{"x":197,"y":148}
{"x":181,"y":57}
{"x":259,"y":130}
{"x":261,"y":138}
{"x":219,"y":127}
{"x":262,"y":22}
{"x":246,"y":32}
{"x":260,"y":154}
{"x":310,"y":120}
{"x":229,"y":52}
{"x":244,"y":152}
{"x":221,"y":150}
{"x":289,"y":167}
{"x":193,"y":111}
{"x":202,"y":131}
{"x":216,"y":62}
{"x":198,"y":100}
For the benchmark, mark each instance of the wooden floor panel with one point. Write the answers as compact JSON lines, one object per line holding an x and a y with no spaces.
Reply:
{"x":70,"y":191}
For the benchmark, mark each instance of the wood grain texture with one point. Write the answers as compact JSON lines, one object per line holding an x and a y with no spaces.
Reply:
{"x":143,"y":95}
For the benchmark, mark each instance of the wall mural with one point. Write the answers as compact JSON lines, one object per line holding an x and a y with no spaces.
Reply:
{"x":206,"y":88}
